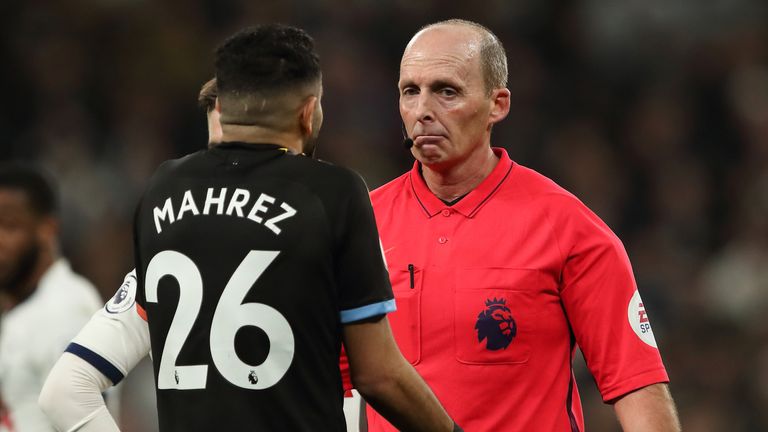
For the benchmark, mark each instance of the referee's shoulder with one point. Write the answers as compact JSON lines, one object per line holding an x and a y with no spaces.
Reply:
{"x":538,"y":185}
{"x":545,"y":193}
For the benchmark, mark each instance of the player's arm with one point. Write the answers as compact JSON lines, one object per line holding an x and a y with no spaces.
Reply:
{"x":649,"y":409}
{"x":378,"y":370}
{"x":388,"y":382}
{"x":71,"y":397}
{"x":105,"y":350}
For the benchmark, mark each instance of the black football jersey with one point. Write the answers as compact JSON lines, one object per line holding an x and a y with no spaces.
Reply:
{"x":249,"y":261}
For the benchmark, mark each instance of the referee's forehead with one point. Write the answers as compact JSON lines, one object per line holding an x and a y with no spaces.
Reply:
{"x":442,"y":48}
{"x":444,"y":40}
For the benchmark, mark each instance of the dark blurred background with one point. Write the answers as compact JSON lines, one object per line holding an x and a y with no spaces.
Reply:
{"x":654,"y":112}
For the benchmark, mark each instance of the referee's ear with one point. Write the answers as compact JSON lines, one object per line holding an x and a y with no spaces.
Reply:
{"x":306,"y":116}
{"x":217,"y":106}
{"x":499,"y":101}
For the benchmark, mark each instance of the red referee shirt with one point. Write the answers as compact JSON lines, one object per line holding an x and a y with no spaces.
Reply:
{"x":494,"y":293}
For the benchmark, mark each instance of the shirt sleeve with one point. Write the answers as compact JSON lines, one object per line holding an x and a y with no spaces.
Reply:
{"x":116,"y":338}
{"x":603,"y":306}
{"x":71,"y":397}
{"x":361,"y":274}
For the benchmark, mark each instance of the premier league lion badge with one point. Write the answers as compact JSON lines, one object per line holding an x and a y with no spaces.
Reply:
{"x":496,"y":325}
{"x":125,"y":296}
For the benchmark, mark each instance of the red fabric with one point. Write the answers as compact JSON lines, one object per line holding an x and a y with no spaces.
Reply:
{"x":346,"y":380}
{"x":517,"y":248}
{"x":5,"y":418}
{"x":142,"y":313}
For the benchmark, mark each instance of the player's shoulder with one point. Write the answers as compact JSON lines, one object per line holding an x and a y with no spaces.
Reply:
{"x":67,"y":290}
{"x":326,"y":177}
{"x":329,"y":169}
{"x":169,"y":171}
{"x":62,"y":303}
{"x":173,"y":167}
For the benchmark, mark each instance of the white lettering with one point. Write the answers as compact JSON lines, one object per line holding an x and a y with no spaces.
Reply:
{"x":166,"y":212}
{"x":218,"y":201}
{"x":239,"y":198}
{"x":187,"y":204}
{"x":270,"y":223}
{"x":260,"y":207}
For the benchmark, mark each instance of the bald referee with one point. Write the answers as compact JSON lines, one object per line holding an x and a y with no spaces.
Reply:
{"x":499,"y":273}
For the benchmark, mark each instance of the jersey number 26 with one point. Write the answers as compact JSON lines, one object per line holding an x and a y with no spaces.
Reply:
{"x":230,"y":315}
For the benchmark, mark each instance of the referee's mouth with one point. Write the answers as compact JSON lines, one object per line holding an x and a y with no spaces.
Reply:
{"x":422,"y":140}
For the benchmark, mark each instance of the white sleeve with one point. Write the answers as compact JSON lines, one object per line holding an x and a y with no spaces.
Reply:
{"x":71,"y":397}
{"x":116,"y":338}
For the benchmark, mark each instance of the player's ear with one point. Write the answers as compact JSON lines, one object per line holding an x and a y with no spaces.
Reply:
{"x":217,"y":106}
{"x":307,"y":114}
{"x":48,"y":229}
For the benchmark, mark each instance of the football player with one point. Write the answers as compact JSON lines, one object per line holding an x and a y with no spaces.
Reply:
{"x":43,"y":302}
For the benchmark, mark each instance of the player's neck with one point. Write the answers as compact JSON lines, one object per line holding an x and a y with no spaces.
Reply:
{"x":451,"y":182}
{"x":259,"y":135}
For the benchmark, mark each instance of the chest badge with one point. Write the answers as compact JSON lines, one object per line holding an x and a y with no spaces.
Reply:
{"x":496,"y":325}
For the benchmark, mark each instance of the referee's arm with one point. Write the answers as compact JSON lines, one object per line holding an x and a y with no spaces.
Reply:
{"x":649,"y":409}
{"x":388,"y":382}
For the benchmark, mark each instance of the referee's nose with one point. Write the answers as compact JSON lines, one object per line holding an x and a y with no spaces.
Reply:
{"x":424,"y":109}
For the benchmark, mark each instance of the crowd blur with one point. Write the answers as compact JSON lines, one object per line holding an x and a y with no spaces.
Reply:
{"x":653,"y":112}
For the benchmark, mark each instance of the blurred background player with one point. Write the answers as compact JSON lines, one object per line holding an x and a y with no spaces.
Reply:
{"x":43,"y":302}
{"x":110,"y":345}
{"x":105,"y":350}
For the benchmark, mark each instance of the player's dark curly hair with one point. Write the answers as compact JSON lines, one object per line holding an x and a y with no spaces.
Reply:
{"x":34,"y":183}
{"x":266,"y":58}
